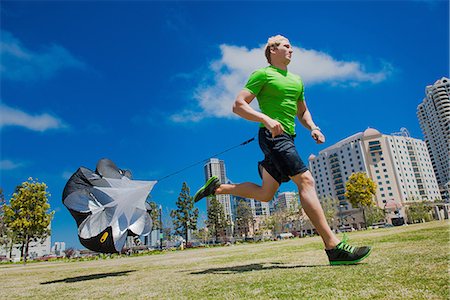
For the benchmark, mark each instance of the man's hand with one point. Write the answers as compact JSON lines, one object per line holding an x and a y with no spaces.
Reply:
{"x":318,"y":136}
{"x":274,"y":126}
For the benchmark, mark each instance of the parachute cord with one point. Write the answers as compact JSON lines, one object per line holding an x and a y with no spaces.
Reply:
{"x":205,"y":160}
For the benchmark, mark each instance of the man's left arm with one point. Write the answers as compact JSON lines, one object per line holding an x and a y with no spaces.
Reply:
{"x":305,"y":118}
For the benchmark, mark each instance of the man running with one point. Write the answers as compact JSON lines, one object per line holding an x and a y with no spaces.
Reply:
{"x":280,"y":96}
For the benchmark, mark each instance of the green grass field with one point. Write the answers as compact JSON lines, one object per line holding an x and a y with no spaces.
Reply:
{"x":408,"y":262}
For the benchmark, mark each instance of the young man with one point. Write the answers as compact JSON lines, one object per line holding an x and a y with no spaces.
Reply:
{"x":280,"y":96}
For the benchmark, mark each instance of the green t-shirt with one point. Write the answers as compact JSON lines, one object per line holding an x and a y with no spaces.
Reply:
{"x":278,"y":92}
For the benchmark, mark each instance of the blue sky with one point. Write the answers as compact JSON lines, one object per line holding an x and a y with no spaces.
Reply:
{"x":150,"y":84}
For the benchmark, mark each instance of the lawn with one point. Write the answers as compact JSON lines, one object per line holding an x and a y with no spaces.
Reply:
{"x":408,"y":262}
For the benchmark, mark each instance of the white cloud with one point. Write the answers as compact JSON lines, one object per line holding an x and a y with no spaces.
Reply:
{"x":9,"y":165}
{"x":14,"y":117}
{"x":21,"y":64}
{"x":229,"y":74}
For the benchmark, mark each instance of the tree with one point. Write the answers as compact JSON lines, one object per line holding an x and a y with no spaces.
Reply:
{"x":418,"y":212}
{"x":154,"y":214}
{"x":3,"y":229}
{"x":7,"y":237}
{"x":202,"y":234}
{"x":244,"y":217}
{"x":299,"y":218}
{"x":266,"y":225}
{"x":217,"y":222}
{"x":360,"y":190}
{"x":70,"y":252}
{"x":374,"y":215}
{"x":185,"y":216}
{"x":330,"y":209}
{"x":28,"y":215}
{"x":279,"y":220}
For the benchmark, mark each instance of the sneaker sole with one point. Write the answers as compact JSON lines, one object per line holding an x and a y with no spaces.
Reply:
{"x":351,"y":262}
{"x":203,"y":188}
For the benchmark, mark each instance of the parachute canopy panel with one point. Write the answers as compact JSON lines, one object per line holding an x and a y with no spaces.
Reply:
{"x":107,"y":206}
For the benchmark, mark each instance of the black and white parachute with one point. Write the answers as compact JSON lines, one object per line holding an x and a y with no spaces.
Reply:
{"x":108,"y":206}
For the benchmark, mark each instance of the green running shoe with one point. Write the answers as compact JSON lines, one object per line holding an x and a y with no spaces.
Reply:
{"x":344,"y":254}
{"x":208,"y":189}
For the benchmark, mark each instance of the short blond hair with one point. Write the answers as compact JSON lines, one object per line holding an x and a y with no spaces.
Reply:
{"x":273,"y":41}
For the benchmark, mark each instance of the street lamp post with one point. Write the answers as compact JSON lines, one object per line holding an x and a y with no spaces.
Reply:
{"x":340,"y":214}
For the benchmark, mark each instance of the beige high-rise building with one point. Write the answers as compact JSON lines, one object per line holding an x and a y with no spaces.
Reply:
{"x":434,"y":117}
{"x":398,"y":164}
{"x":216,"y":167}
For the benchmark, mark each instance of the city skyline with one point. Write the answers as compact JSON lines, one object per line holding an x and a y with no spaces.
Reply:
{"x":153,"y":92}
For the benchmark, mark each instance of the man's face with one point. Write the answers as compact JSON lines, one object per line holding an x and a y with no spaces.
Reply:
{"x":283,"y":52}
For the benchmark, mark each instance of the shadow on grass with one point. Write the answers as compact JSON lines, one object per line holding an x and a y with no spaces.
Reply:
{"x":254,"y":267}
{"x":89,"y":277}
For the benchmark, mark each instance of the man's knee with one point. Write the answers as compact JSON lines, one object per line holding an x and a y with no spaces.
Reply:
{"x":304,"y":180}
{"x":266,"y":196}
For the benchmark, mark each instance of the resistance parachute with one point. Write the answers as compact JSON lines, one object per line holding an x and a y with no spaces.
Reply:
{"x":108,"y":206}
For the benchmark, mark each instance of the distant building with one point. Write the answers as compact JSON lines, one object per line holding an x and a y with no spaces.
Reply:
{"x":287,"y":201}
{"x":58,"y":248}
{"x":434,"y":118}
{"x":216,"y":167}
{"x":35,"y":249}
{"x":260,"y":211}
{"x":399,"y":164}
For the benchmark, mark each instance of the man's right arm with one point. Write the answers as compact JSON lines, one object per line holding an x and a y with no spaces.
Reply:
{"x":242,"y":108}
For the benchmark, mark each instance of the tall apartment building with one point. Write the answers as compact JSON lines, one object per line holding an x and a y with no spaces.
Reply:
{"x":399,"y":165}
{"x":434,"y":117}
{"x":216,"y":167}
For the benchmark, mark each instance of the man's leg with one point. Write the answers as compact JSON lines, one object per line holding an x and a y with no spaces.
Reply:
{"x":339,"y":253}
{"x":311,"y":205}
{"x":262,"y":193}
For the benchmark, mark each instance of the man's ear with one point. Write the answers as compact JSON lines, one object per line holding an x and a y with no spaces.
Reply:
{"x":272,"y":49}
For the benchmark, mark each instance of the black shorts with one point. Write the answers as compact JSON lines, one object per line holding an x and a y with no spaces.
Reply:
{"x":281,"y":159}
